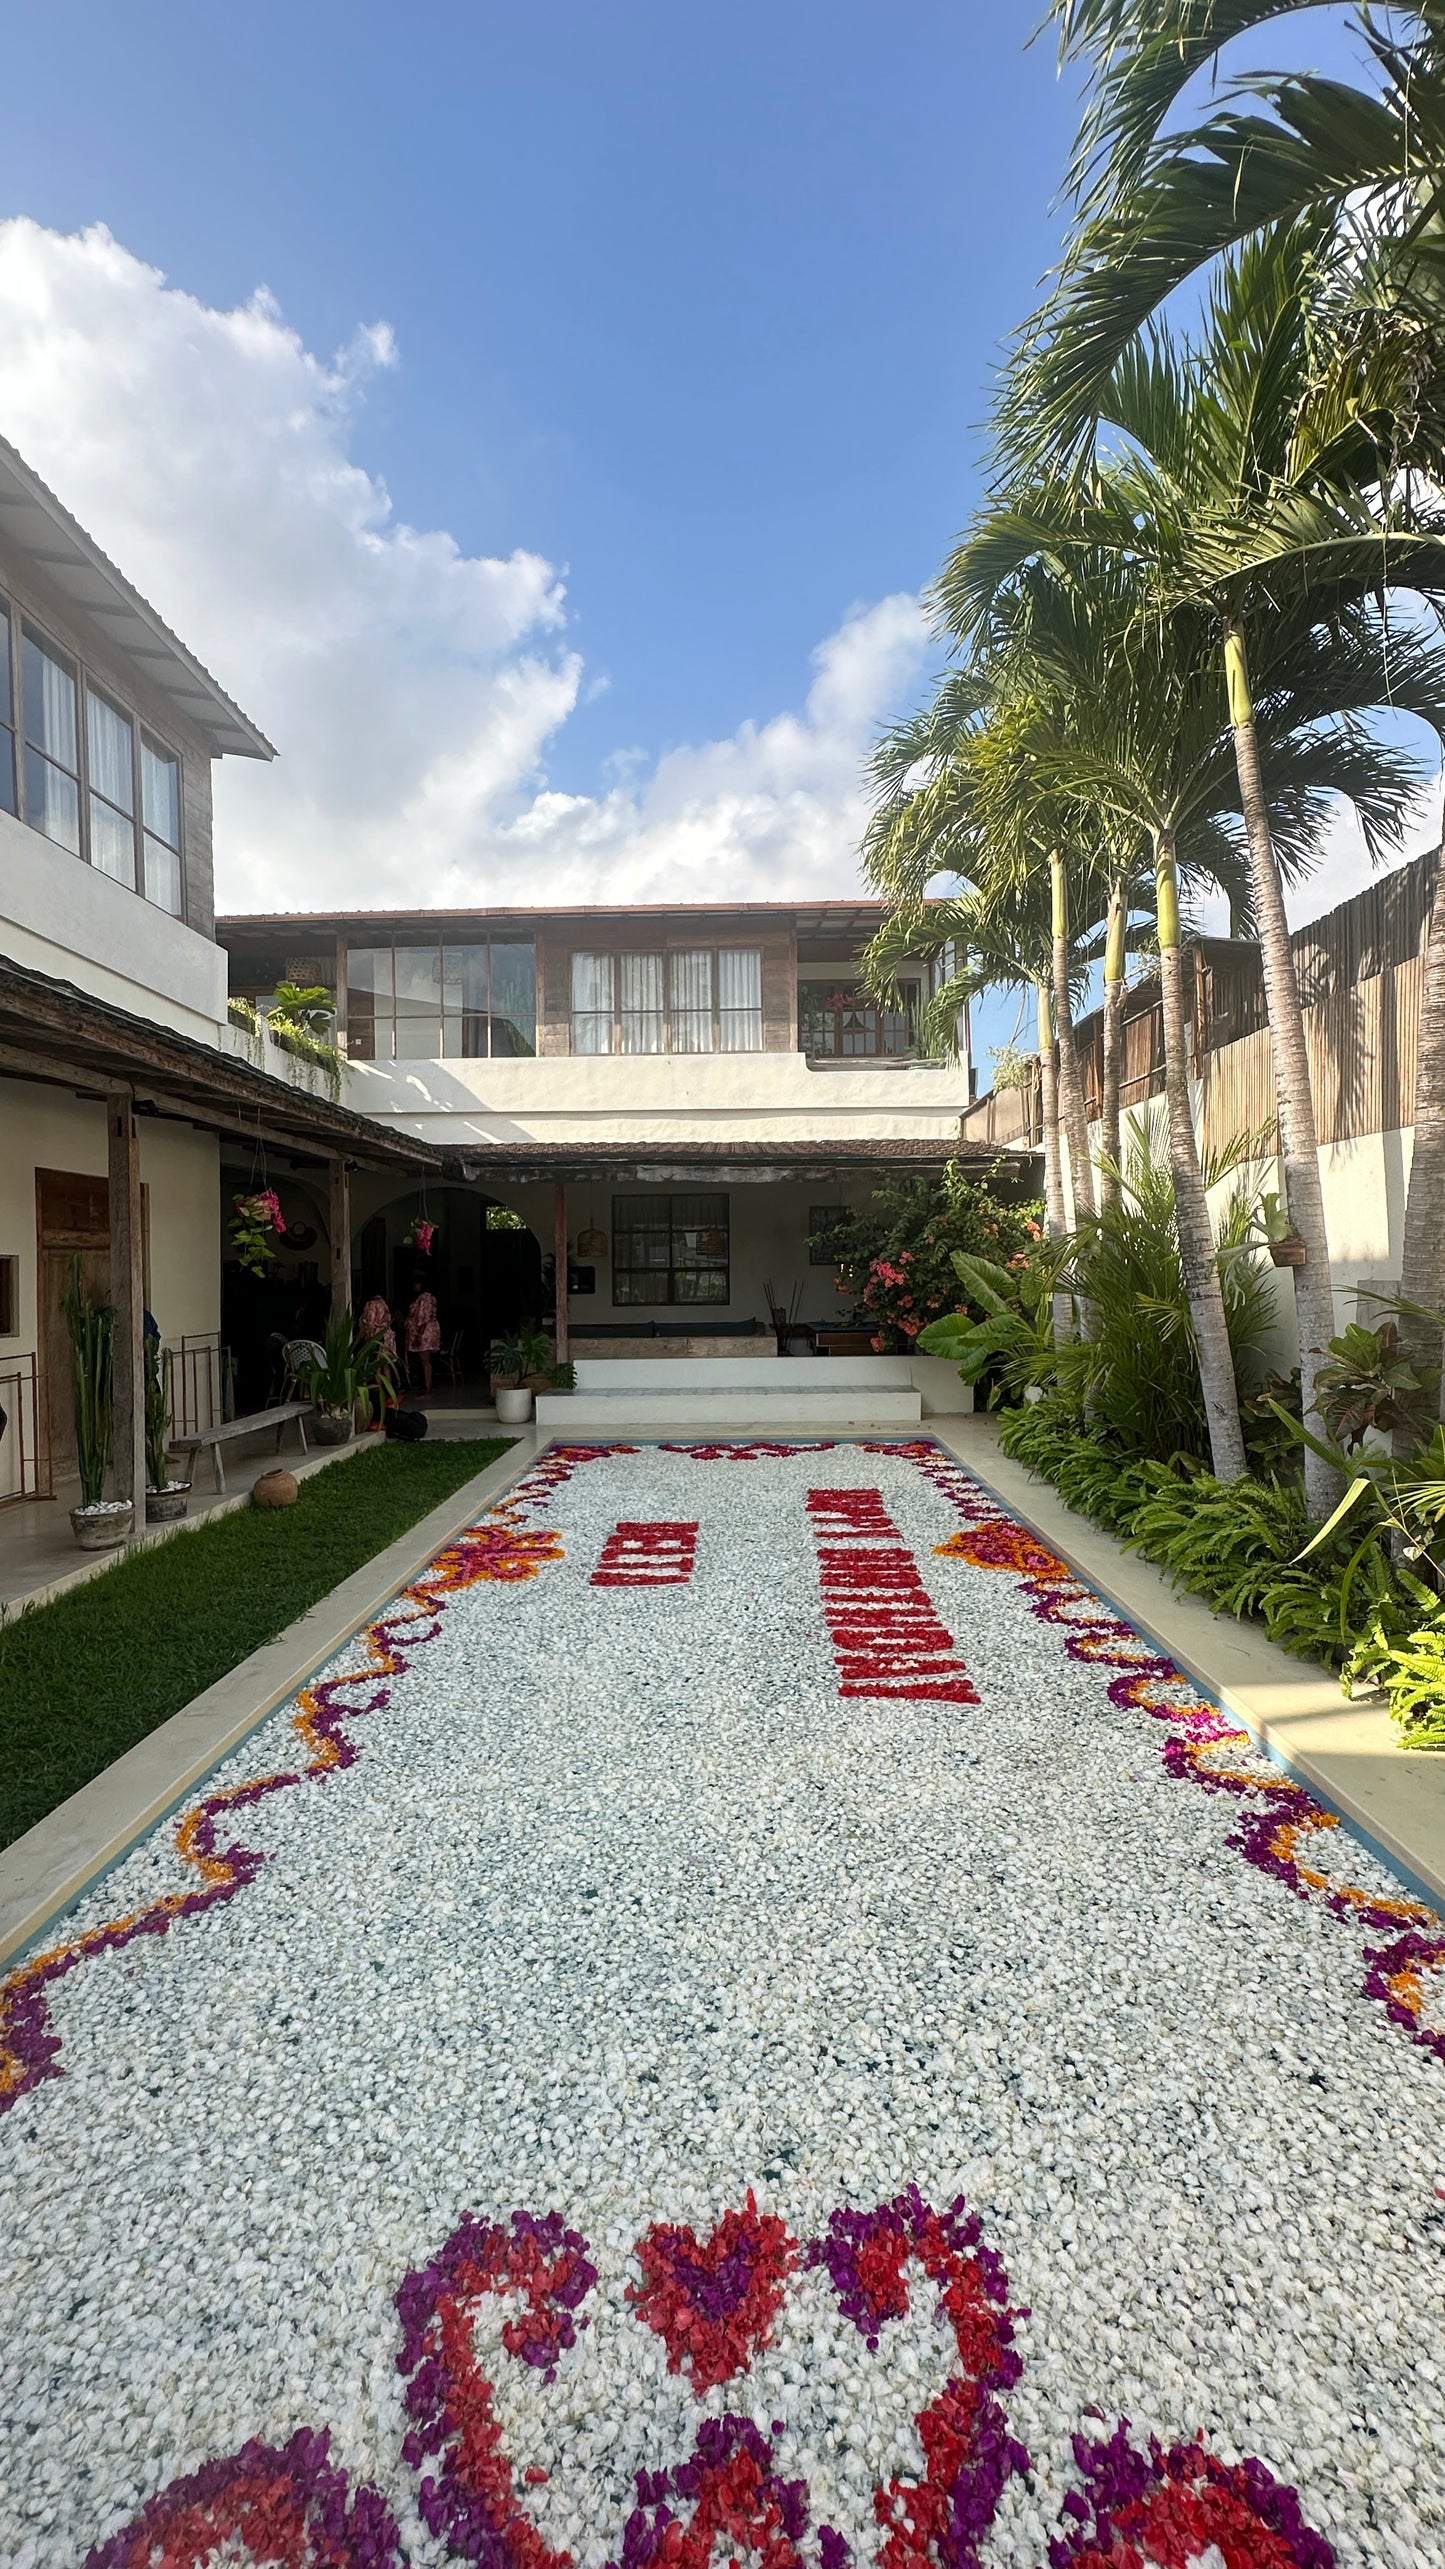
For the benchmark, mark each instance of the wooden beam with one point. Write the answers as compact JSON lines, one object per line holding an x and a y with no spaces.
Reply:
{"x":127,"y":1293}
{"x":559,"y":1252}
{"x":340,"y":1236}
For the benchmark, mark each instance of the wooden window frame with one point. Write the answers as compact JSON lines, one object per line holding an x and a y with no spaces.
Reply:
{"x":613,"y":954}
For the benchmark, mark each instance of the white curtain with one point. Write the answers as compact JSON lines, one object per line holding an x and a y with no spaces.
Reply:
{"x":49,"y":705}
{"x":690,"y":998}
{"x":640,"y":1002}
{"x":111,"y":747}
{"x":592,"y":1003}
{"x":740,"y":998}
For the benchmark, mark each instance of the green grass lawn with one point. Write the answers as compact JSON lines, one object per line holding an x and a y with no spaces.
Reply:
{"x":82,"y":1679}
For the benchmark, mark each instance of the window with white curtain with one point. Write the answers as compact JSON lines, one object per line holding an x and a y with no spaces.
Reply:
{"x":160,"y":789}
{"x":592,"y":987}
{"x":78,"y":768}
{"x":110,"y":740}
{"x":701,"y":999}
{"x":689,"y":992}
{"x":639,"y":1003}
{"x":52,"y":744}
{"x":740,"y":999}
{"x":9,"y":787}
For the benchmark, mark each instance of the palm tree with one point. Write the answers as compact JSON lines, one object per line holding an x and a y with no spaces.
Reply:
{"x":1156,"y":208}
{"x":1128,"y":718}
{"x":1240,"y":490}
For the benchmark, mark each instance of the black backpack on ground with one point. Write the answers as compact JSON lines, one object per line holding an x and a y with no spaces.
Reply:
{"x":406,"y":1426}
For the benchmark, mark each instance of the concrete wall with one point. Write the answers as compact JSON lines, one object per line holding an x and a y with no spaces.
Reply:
{"x":61,"y":917}
{"x":721,"y":1097}
{"x":47,"y":1128}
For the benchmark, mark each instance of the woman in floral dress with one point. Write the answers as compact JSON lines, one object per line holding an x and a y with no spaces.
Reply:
{"x":423,"y":1329}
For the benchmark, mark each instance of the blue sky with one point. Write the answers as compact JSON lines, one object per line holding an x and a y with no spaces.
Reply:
{"x":588,"y":572}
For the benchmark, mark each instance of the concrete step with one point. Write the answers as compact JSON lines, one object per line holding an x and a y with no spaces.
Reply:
{"x":770,"y":1374}
{"x":770,"y":1412}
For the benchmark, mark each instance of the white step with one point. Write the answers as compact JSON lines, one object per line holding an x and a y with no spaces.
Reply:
{"x":802,"y":1405}
{"x":770,"y":1374}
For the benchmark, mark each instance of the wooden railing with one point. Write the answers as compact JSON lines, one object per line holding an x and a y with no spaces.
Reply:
{"x":25,"y":1460}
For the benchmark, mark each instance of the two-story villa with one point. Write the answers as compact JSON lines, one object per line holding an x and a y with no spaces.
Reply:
{"x":677,"y":1102}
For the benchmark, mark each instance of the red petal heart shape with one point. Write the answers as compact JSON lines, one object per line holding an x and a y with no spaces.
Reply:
{"x":713,"y":2301}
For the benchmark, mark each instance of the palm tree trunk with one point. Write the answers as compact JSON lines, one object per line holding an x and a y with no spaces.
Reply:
{"x":1422,"y":1259}
{"x":1055,"y":1217}
{"x":1110,"y":1142}
{"x":1197,"y":1252}
{"x":1314,"y":1300}
{"x":1071,"y":1085}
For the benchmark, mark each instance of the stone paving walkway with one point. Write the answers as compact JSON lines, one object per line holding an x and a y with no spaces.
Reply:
{"x":748,"y":2018}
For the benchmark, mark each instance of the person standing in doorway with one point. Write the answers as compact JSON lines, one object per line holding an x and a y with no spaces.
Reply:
{"x":423,"y":1329}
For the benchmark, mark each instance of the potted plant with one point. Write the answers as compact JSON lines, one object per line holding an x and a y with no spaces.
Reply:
{"x":347,"y":1370}
{"x":165,"y":1499}
{"x":1283,"y":1242}
{"x":562,"y":1378}
{"x":255,"y":1221}
{"x":527,"y":1351}
{"x":98,"y":1523}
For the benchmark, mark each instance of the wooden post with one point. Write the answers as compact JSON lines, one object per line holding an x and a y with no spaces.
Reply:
{"x":340,"y":1237}
{"x":559,"y":1253}
{"x":127,"y":1293}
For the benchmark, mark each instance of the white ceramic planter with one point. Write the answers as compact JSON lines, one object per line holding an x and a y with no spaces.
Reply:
{"x":514,"y":1405}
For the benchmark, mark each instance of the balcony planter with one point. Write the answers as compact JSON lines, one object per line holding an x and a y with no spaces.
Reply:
{"x":101,"y":1525}
{"x":514,"y":1403}
{"x":165,"y":1505}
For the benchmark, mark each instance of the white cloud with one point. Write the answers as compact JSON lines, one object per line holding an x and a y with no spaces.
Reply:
{"x":410,"y":688}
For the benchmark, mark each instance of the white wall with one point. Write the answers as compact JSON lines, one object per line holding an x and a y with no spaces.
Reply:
{"x":724,"y":1097}
{"x":48,"y":1128}
{"x":61,"y":917}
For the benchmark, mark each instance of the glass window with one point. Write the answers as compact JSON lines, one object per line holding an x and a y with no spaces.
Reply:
{"x":846,"y":1025}
{"x":52,"y":786}
{"x":640,"y":1003}
{"x":160,"y":795}
{"x":418,"y":976}
{"x":592,"y":1003}
{"x":513,"y":1010}
{"x":825,"y":1221}
{"x":369,"y":1013}
{"x":110,"y":753}
{"x":689,"y":991}
{"x":669,"y":1249}
{"x":7,"y":717}
{"x":465,"y":1002}
{"x":740,"y":999}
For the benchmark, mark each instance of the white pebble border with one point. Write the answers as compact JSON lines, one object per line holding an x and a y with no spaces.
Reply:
{"x":623,"y":1911}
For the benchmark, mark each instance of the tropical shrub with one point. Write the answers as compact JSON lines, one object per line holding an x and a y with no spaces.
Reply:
{"x":895,"y":1254}
{"x":1371,"y":1383}
{"x":1011,"y":1342}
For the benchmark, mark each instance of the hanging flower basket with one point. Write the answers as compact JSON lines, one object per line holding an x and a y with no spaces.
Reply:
{"x":255,"y":1221}
{"x":421,"y":1235}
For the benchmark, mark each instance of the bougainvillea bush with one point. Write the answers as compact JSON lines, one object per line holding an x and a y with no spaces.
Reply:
{"x":895,"y":1254}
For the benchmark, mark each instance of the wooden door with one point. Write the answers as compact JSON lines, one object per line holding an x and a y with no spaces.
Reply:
{"x":72,"y":1215}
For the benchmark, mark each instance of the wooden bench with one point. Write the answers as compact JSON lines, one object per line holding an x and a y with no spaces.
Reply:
{"x":215,"y":1437}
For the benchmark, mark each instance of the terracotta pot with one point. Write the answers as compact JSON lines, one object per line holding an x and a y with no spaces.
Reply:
{"x":333,"y":1426}
{"x":274,"y":1490}
{"x":102,"y":1527}
{"x":164,"y":1506}
{"x":514,"y":1404}
{"x":1288,"y":1253}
